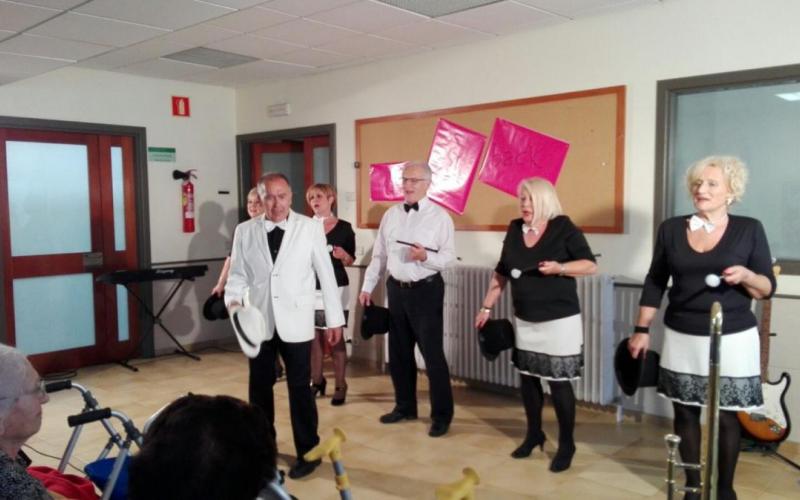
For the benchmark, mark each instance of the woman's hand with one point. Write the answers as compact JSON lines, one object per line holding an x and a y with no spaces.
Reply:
{"x":341,"y":254}
{"x":218,"y":289}
{"x":736,"y":275}
{"x":481,"y":318}
{"x":550,"y":267}
{"x":638,"y":343}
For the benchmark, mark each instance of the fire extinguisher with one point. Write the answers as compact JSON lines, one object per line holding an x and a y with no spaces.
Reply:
{"x":187,"y":199}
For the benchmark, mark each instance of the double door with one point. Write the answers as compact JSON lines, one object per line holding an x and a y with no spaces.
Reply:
{"x":67,"y":215}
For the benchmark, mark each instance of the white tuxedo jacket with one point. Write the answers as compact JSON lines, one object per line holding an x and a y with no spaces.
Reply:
{"x":284,"y":290}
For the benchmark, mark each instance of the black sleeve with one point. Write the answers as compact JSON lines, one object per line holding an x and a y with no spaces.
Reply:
{"x":502,"y":266}
{"x":760,"y":260}
{"x":577,"y":246}
{"x":349,"y":240}
{"x":657,"y":277}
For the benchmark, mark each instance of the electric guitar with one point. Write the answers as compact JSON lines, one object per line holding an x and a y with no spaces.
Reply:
{"x":770,"y":424}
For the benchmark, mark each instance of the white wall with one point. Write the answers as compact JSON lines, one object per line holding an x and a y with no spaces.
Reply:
{"x":205,"y":141}
{"x":636,"y":48}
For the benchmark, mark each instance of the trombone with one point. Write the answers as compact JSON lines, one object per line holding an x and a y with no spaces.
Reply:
{"x":708,"y":464}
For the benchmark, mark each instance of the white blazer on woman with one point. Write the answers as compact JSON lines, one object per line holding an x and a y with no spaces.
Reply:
{"x":284,"y":290}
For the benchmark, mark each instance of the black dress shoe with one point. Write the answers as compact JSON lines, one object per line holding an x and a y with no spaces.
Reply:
{"x":301,"y":468}
{"x":563,"y":458}
{"x":526,"y":448}
{"x":395,"y":416}
{"x":438,"y":429}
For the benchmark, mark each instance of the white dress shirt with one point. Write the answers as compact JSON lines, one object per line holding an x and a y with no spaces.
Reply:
{"x":430,"y":226}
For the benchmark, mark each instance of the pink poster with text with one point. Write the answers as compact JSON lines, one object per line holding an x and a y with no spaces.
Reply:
{"x":516,"y":153}
{"x":455,"y":153}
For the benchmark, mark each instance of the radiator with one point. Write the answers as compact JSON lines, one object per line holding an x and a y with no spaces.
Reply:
{"x":465,"y":287}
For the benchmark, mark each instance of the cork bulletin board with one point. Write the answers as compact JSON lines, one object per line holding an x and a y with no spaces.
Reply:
{"x":590,"y":186}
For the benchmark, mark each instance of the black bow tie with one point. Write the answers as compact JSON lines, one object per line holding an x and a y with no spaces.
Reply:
{"x":413,"y":206}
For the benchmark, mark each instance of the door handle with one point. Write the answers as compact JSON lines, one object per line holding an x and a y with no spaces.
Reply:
{"x":92,"y":260}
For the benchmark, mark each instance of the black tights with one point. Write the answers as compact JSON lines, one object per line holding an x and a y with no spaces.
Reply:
{"x":687,"y":426}
{"x":563,"y":402}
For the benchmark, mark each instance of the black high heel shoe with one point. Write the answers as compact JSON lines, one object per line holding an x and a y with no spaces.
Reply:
{"x":527,"y":446}
{"x":319,"y":389}
{"x":339,"y":396}
{"x":563,"y":458}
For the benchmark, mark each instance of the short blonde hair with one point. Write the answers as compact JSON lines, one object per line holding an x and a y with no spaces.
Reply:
{"x":253,"y":192}
{"x":733,"y":170}
{"x":544,"y":198}
{"x":326,"y":189}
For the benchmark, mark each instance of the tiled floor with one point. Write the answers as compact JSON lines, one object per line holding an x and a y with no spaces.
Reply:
{"x":401,"y":461}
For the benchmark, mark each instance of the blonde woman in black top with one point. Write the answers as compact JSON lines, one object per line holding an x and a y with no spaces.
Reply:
{"x":342,"y":248}
{"x":542,"y":254}
{"x":733,"y":251}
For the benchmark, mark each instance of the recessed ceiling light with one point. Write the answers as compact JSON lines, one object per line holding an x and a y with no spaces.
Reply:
{"x":210,"y":57}
{"x":789,"y":96}
{"x":437,"y":8}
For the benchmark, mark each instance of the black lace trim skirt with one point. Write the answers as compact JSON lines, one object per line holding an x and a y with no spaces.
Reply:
{"x":551,"y":350}
{"x":683,"y":374}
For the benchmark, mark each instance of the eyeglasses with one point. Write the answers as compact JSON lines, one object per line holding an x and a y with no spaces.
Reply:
{"x":413,"y":180}
{"x":38,"y":391}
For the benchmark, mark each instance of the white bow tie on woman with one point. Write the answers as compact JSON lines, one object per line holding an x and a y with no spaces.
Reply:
{"x":696,"y":223}
{"x":272,"y":225}
{"x":526,"y":228}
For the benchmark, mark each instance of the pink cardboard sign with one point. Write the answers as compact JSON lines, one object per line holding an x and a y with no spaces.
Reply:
{"x":516,"y":153}
{"x":386,"y":181}
{"x":455,"y":153}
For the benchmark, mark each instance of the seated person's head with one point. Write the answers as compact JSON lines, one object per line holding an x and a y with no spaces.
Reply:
{"x":212,"y":447}
{"x":21,"y":400}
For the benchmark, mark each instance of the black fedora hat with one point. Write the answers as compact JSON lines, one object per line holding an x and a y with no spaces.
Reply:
{"x":374,"y":321}
{"x":494,"y":337}
{"x":633,"y":373}
{"x":214,"y":308}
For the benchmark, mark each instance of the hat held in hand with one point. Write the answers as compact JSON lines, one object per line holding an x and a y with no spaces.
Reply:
{"x":494,"y":337}
{"x":214,"y":308}
{"x":374,"y":321}
{"x":251,"y":329}
{"x":633,"y":373}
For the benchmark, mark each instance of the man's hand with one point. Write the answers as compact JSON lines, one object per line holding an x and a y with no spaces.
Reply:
{"x":233,"y":307}
{"x":418,"y":252}
{"x":365,"y":299}
{"x":333,"y":335}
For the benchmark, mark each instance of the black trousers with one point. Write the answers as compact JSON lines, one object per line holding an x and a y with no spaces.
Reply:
{"x":302,"y":406}
{"x":415,"y":317}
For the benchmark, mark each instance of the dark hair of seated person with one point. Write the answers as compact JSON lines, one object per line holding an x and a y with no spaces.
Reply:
{"x":210,"y":447}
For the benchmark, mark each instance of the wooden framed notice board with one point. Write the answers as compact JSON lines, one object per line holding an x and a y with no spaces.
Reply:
{"x":590,"y":186}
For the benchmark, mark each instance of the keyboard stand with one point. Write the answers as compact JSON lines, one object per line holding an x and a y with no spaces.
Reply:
{"x":156,"y":319}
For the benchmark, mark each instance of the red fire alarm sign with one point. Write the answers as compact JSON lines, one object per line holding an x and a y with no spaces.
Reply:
{"x":180,"y":106}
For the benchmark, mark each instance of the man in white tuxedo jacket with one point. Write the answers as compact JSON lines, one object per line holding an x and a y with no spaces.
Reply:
{"x":274,"y":262}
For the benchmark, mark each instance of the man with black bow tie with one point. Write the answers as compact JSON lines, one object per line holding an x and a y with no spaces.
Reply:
{"x":415,"y":243}
{"x":274,"y":262}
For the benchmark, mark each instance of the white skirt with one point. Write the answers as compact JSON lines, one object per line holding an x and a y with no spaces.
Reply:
{"x":683,"y":373}
{"x":551,"y":350}
{"x":319,"y":308}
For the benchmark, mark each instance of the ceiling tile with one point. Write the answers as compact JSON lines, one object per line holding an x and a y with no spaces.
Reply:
{"x":92,"y":29}
{"x":365,"y":45}
{"x":52,"y":4}
{"x":171,"y":14}
{"x":305,"y":32}
{"x":252,"y":19}
{"x":163,"y":68}
{"x":253,"y":46}
{"x":367,"y":17}
{"x":251,"y":73}
{"x":434,"y":34}
{"x":501,"y":18}
{"x":43,"y":46}
{"x":235,"y":4}
{"x":30,"y":65}
{"x":574,"y":8}
{"x":306,"y":7}
{"x":316,"y":58}
{"x":200,"y":35}
{"x":149,"y":49}
{"x":18,"y":17}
